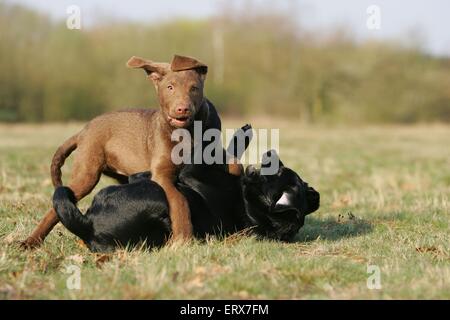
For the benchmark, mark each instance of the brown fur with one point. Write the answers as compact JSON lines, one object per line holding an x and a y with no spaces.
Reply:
{"x":122,"y":143}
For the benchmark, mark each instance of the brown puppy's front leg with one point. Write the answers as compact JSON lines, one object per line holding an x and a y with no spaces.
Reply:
{"x":178,"y":209}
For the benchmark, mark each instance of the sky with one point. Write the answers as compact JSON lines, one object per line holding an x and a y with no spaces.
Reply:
{"x":427,"y":21}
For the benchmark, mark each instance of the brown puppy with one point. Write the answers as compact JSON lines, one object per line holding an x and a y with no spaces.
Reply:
{"x":123,"y":143}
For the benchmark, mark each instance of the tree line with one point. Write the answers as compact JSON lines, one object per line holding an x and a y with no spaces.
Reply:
{"x":259,"y":64}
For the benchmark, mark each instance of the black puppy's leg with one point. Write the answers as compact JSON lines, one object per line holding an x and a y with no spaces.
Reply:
{"x":146,"y":175}
{"x":236,"y":148}
{"x":240,"y":141}
{"x":238,"y":144}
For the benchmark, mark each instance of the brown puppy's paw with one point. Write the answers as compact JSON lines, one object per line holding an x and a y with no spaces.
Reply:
{"x":175,"y":242}
{"x":235,"y":168}
{"x":81,"y":244}
{"x":30,"y":243}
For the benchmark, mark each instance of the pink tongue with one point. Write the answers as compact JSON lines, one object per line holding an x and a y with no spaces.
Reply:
{"x":178,"y":121}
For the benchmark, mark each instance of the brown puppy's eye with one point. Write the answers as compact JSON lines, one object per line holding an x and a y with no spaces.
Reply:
{"x":194,"y":89}
{"x":170,"y":87}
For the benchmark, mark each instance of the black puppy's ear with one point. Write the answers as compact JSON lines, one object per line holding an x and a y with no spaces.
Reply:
{"x":271,"y":156}
{"x":270,"y":163}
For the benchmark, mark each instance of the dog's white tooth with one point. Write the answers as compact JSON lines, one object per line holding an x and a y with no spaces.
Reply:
{"x":284,"y":201}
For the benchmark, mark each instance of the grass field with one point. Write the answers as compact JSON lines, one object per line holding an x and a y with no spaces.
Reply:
{"x":384,"y":202}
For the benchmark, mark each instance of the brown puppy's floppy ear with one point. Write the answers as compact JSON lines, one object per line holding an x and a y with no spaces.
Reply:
{"x":180,"y":63}
{"x":154,"y":70}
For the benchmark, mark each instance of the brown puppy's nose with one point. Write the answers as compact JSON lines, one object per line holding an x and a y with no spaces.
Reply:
{"x":182,"y":110}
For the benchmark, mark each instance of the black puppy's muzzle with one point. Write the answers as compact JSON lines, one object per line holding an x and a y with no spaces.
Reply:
{"x":312,"y":199}
{"x":287,"y":201}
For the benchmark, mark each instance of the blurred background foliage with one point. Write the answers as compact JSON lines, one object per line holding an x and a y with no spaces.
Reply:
{"x":261,"y":63}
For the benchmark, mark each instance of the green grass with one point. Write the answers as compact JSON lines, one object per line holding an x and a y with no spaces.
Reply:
{"x":384,"y":193}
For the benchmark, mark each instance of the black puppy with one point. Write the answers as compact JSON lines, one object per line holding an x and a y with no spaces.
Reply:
{"x":273,"y":206}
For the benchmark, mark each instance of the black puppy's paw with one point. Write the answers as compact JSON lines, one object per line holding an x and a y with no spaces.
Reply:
{"x":246,"y":127}
{"x":240,"y":141}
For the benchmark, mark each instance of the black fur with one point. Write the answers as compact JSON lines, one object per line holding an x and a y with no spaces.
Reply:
{"x":273,"y":206}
